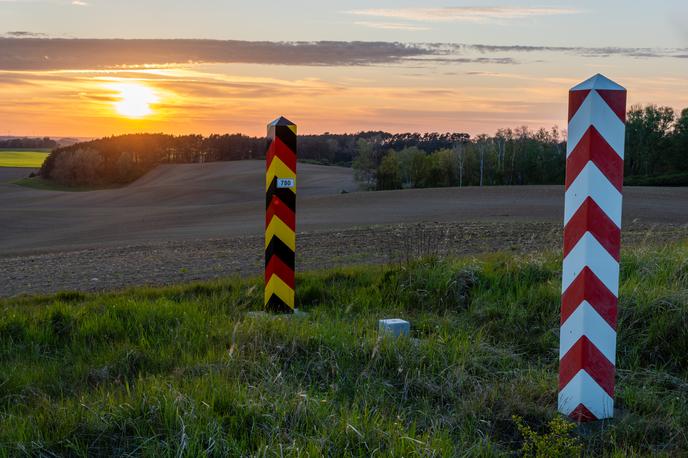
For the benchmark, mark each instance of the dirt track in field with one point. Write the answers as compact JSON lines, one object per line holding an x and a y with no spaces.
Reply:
{"x":200,"y":221}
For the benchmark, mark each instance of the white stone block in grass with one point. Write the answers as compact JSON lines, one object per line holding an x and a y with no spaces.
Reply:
{"x":394,"y":327}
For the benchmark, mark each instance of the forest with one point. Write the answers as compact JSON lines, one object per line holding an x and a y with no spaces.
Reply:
{"x":28,"y":143}
{"x":656,"y":154}
{"x":122,"y":159}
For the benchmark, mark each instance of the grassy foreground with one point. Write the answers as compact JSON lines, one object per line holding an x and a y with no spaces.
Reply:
{"x":22,"y":158}
{"x":185,"y":371}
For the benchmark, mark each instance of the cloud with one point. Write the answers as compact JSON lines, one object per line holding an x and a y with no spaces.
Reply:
{"x":64,"y":53}
{"x":24,"y":34}
{"x":461,"y":13}
{"x":22,"y":50}
{"x":465,"y":60}
{"x":79,"y":3}
{"x":390,"y":26}
{"x":581,"y":51}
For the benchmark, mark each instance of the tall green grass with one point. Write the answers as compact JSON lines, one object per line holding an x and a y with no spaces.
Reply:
{"x":186,"y":371}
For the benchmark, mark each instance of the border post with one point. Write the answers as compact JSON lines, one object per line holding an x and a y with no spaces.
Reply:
{"x":592,"y":240}
{"x":280,"y":216}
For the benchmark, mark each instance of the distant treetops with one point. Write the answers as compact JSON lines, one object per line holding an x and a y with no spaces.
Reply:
{"x":28,"y":143}
{"x":656,"y":154}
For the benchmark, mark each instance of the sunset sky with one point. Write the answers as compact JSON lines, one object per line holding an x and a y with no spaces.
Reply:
{"x":329,"y":66}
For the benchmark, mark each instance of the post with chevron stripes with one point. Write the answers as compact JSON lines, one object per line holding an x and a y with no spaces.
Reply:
{"x":280,"y":216}
{"x":592,"y":239}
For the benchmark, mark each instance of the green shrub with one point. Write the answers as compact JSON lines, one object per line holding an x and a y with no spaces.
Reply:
{"x":558,"y":442}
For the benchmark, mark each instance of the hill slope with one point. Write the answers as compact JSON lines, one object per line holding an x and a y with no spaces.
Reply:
{"x":173,"y":202}
{"x":200,"y":221}
{"x":226,"y":199}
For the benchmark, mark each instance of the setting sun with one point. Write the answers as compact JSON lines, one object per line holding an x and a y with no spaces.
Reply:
{"x":134,"y":99}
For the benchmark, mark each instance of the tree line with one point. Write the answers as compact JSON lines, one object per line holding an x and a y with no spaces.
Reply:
{"x":28,"y":143}
{"x":123,"y":158}
{"x":656,"y":154}
{"x":510,"y":157}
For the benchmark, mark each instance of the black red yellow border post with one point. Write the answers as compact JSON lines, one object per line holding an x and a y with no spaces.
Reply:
{"x":280,"y":216}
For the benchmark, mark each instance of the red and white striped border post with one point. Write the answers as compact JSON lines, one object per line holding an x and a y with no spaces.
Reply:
{"x":592,"y":239}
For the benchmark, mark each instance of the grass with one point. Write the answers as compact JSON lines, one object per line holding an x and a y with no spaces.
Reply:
{"x":22,"y":158}
{"x":186,"y":371}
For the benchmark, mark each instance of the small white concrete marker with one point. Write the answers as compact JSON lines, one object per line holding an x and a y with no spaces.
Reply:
{"x":394,"y":327}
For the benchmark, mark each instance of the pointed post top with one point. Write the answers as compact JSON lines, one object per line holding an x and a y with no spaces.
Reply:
{"x":281,"y":121}
{"x":598,"y":82}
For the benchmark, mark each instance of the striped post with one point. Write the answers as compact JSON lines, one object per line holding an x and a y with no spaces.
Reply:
{"x":592,"y":239}
{"x":280,"y":216}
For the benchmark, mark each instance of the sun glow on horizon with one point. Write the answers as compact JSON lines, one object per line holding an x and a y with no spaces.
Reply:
{"x":133,"y":99}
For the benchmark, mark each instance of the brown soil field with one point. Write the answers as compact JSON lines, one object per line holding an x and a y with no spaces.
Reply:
{"x":199,"y":221}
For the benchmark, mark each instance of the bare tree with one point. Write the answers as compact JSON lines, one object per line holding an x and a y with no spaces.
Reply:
{"x":481,"y":141}
{"x":460,"y":153}
{"x":500,"y":140}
